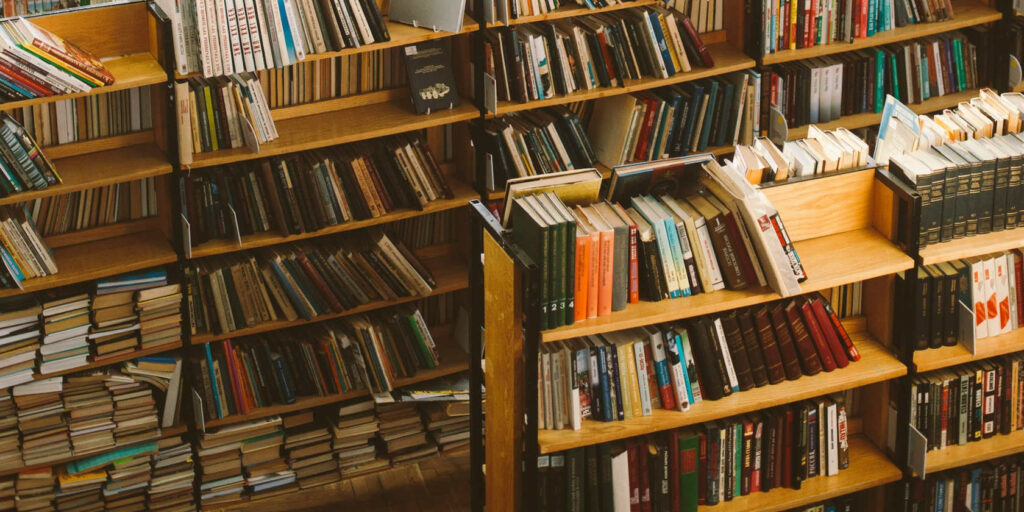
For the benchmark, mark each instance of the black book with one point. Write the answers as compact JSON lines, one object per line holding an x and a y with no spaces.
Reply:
{"x":922,"y":304}
{"x":936,"y":306}
{"x":431,"y":79}
{"x":592,"y":480}
{"x":714,"y":380}
{"x":955,"y":199}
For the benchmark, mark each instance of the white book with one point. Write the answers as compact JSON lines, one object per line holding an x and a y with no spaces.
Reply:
{"x":573,"y":385}
{"x":172,"y":9}
{"x":815,"y":95}
{"x":268,"y":36}
{"x":557,"y":390}
{"x":832,"y":439}
{"x":361,"y":22}
{"x":719,"y":334}
{"x":1002,"y":287}
{"x":277,"y":34}
{"x":63,"y":364}
{"x":50,"y":385}
{"x":16,"y":378}
{"x":990,"y":295}
{"x":548,"y":403}
{"x":296,"y":29}
{"x":620,"y":482}
{"x":239,"y":39}
{"x":837,"y":91}
{"x":259,"y":59}
{"x":1011,"y":275}
{"x":704,"y":239}
{"x":642,"y":377}
{"x":17,"y":358}
{"x":224,"y":40}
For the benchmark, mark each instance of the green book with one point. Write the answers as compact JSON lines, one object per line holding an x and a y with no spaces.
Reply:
{"x":97,"y":461}
{"x":533,"y":233}
{"x":737,"y":461}
{"x":559,"y":292}
{"x":689,"y":453}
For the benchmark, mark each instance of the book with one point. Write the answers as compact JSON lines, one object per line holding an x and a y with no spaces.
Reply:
{"x":431,"y":78}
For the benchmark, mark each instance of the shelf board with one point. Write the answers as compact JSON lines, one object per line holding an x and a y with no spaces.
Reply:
{"x":102,"y":258}
{"x":401,"y":35}
{"x":865,"y":255}
{"x":877,"y":364}
{"x":165,"y":433}
{"x":462,"y":194}
{"x":978,"y":451}
{"x":966,"y":14}
{"x":137,"y":70}
{"x":452,"y":362}
{"x":100,"y":169}
{"x":113,"y":361}
{"x":727,"y":59}
{"x":450,"y":276}
{"x":871,"y":118}
{"x":996,"y":241}
{"x":571,"y":11}
{"x":340,"y":127}
{"x":869,"y":467}
{"x":944,"y":357}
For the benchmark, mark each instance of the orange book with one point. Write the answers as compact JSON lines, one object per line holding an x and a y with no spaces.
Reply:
{"x":582,"y":266}
{"x":593,"y":262}
{"x":607,"y":259}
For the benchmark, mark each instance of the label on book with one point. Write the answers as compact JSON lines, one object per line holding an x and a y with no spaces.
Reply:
{"x":778,"y":128}
{"x":490,"y":93}
{"x":249,"y":134}
{"x":1014,"y":77}
{"x":186,"y":235}
{"x":198,"y":411}
{"x":234,"y":224}
{"x":917,"y":454}
{"x":966,"y":328}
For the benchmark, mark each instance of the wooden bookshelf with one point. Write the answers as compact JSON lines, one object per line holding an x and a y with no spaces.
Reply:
{"x":869,"y":467}
{"x":944,"y":357}
{"x":165,"y":433}
{"x":450,"y":276}
{"x":461,"y":195}
{"x":958,"y":248}
{"x":877,"y":364}
{"x":572,"y":11}
{"x":728,"y":58}
{"x":340,"y":127}
{"x":102,"y":258}
{"x":865,"y":255}
{"x":93,"y":170}
{"x":961,"y":455}
{"x":966,"y":14}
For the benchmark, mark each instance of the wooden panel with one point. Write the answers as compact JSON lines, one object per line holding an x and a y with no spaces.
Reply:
{"x":877,"y":364}
{"x":80,"y":27}
{"x":978,"y":451}
{"x":104,"y":144}
{"x":877,"y":303}
{"x":102,"y":232}
{"x":825,"y":206}
{"x":944,"y":357}
{"x":966,"y":14}
{"x":829,"y":261}
{"x":875,"y":409}
{"x":886,"y":214}
{"x":869,"y":467}
{"x":331,"y":105}
{"x":996,"y":241}
{"x":135,"y":70}
{"x":503,"y":378}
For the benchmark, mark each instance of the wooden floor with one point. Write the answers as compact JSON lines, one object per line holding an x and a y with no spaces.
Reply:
{"x":437,"y":485}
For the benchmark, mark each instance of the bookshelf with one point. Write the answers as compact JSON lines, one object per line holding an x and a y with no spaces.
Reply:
{"x":570,"y":11}
{"x":993,"y":447}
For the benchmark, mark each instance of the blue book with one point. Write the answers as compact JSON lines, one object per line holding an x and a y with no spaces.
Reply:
{"x":675,"y":247}
{"x":213,"y":381}
{"x":606,"y":396}
{"x":97,"y":461}
{"x":615,"y":378}
{"x":659,"y":36}
{"x":682,"y":340}
{"x":662,"y":242}
{"x":975,"y":496}
{"x":292,"y":293}
{"x":13,"y":269}
{"x":286,"y":28}
{"x":689,"y":136}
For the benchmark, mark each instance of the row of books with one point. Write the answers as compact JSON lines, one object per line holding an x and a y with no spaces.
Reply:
{"x":23,"y":166}
{"x":24,"y":253}
{"x":427,"y":230}
{"x":840,"y":504}
{"x":288,"y":282}
{"x":989,"y":485}
{"x":222,"y":113}
{"x":968,"y":403}
{"x":672,"y":121}
{"x":308,"y":191}
{"x":789,"y":25}
{"x":706,"y":16}
{"x":821,"y":152}
{"x":702,"y":241}
{"x":95,"y":207}
{"x":92,"y":117}
{"x":38,"y":63}
{"x":538,"y":61}
{"x":847,"y":300}
{"x":154,"y":476}
{"x":13,"y":8}
{"x":534,"y":142}
{"x":702,"y":465}
{"x":825,"y":88}
{"x":628,"y":374}
{"x":214,"y":38}
{"x":360,"y":352}
{"x":310,"y":82}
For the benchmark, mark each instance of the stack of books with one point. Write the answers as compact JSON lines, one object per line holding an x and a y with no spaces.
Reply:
{"x":35,"y":490}
{"x":115,"y":325}
{"x":127,"y":482}
{"x":304,"y":280}
{"x":447,"y":424}
{"x":170,"y":488}
{"x":402,"y":436}
{"x":223,"y":113}
{"x":7,"y":493}
{"x":20,"y":339}
{"x":220,"y":458}
{"x":308,"y":445}
{"x":90,"y":411}
{"x":821,"y":152}
{"x":23,"y":166}
{"x":10,"y":443}
{"x":135,"y":411}
{"x":264,"y":466}
{"x":92,"y":117}
{"x":355,"y":431}
{"x":42,"y":421}
{"x":81,"y":491}
{"x":207,"y":39}
{"x":159,"y":309}
{"x":95,"y":207}
{"x":164,"y":374}
{"x":980,"y":485}
{"x":309,"y":191}
{"x":66,"y":334}
{"x":23,"y":252}
{"x":39,"y":63}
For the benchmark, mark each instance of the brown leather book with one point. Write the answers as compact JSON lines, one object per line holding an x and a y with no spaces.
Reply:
{"x":817,"y":336}
{"x":723,"y":243}
{"x":737,"y":350}
{"x":809,"y":359}
{"x":787,"y":352}
{"x":754,"y":354}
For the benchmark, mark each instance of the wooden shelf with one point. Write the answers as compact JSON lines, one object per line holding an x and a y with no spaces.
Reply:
{"x":869,"y":467}
{"x":450,"y":276}
{"x":401,"y":35}
{"x":944,"y":357}
{"x":138,"y":70}
{"x":113,"y":361}
{"x":864,"y":254}
{"x":871,"y":118}
{"x":452,"y":361}
{"x":978,"y":451}
{"x":877,"y":364}
{"x":727,"y":59}
{"x":462,"y":195}
{"x":102,"y":258}
{"x":966,"y":14}
{"x":340,"y":127}
{"x":996,"y":241}
{"x":571,"y":11}
{"x":165,"y":433}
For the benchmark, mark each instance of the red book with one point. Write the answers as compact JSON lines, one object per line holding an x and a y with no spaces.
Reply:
{"x":786,"y":444}
{"x":810,"y":8}
{"x":809,"y":358}
{"x":319,"y":282}
{"x":780,"y":445}
{"x":1018,"y":269}
{"x":863,"y":19}
{"x":652,"y":379}
{"x":705,"y":54}
{"x":635,"y":456}
{"x":233,"y":376}
{"x":828,"y":362}
{"x":673,"y":469}
{"x":608,"y":58}
{"x":645,"y":481}
{"x":702,"y":471}
{"x":825,"y":324}
{"x":26,"y":80}
{"x":758,"y":459}
{"x":787,"y":349}
{"x":643,"y":140}
{"x":844,"y":337}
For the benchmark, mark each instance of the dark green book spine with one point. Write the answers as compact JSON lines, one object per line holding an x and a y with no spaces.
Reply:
{"x":1013,"y":193}
{"x":949,"y":195}
{"x":986,"y":197}
{"x":999,"y":200}
{"x":975,"y":210}
{"x":963,"y":201}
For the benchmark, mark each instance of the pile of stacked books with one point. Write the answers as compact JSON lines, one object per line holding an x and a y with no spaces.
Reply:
{"x":164,"y":374}
{"x":41,"y":420}
{"x":35,"y":490}
{"x":220,"y":458}
{"x":402,"y":434}
{"x":447,"y":424}
{"x":134,"y":409}
{"x":10,"y":445}
{"x":127,"y":481}
{"x":170,"y":488}
{"x":310,"y":456}
{"x":19,"y":341}
{"x":355,"y":430}
{"x":39,"y":63}
{"x":90,"y":414}
{"x":266,"y":470}
{"x":66,"y":331}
